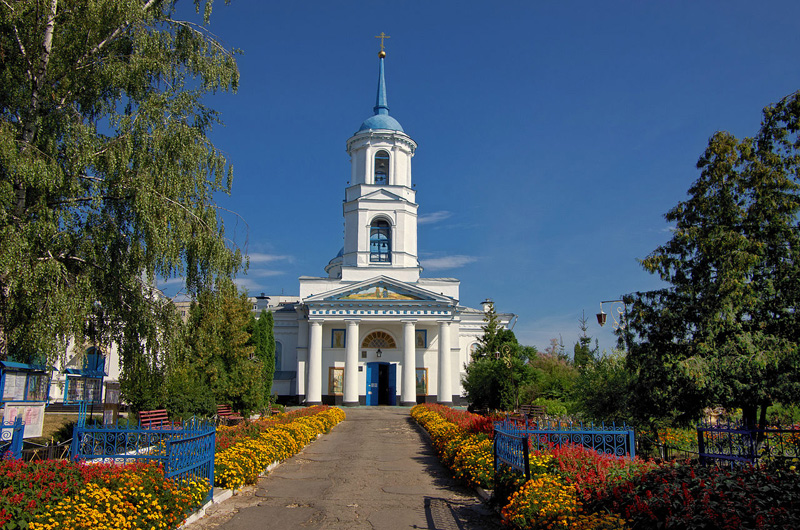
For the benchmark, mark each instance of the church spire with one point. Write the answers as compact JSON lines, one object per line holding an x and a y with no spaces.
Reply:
{"x":381,"y":103}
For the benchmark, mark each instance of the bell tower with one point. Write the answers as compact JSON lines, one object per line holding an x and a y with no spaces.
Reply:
{"x":380,"y":212}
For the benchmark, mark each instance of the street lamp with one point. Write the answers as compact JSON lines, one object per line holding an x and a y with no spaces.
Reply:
{"x":617,"y":313}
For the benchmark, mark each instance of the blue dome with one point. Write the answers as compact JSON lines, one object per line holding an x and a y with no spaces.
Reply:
{"x":381,"y":121}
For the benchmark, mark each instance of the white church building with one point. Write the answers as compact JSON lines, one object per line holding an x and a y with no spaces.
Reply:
{"x":373,"y":331}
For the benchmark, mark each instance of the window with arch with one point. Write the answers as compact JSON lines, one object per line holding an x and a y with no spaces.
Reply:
{"x":381,"y":168}
{"x":278,"y":355}
{"x":380,"y":242}
{"x":95,"y":360}
{"x":378,"y":339}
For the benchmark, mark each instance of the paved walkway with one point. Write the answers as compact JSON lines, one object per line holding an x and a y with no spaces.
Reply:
{"x":376,"y":470}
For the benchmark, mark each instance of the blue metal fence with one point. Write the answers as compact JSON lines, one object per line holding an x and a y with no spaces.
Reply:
{"x":513,"y":451}
{"x":514,"y":438}
{"x":733,"y":442}
{"x":186,"y":452}
{"x":11,"y":435}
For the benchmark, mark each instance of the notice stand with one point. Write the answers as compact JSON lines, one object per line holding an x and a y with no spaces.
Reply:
{"x":111,"y":404}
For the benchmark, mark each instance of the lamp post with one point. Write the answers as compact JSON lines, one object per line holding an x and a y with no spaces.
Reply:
{"x":505,"y":356}
{"x":619,"y":316}
{"x":618,"y":313}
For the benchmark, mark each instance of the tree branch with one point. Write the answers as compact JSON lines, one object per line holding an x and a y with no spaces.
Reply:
{"x":114,"y":34}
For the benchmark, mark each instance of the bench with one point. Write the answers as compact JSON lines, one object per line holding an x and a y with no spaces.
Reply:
{"x":227,"y":415}
{"x":154,"y":419}
{"x":528,"y":411}
{"x":533,"y":410}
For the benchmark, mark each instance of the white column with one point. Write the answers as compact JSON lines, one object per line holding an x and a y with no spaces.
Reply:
{"x":314,"y":388}
{"x":408,"y":392}
{"x":445,"y":389}
{"x":302,"y":354}
{"x":351,"y":364}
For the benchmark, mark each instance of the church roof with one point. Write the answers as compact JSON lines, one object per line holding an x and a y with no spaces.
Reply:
{"x":381,"y":119}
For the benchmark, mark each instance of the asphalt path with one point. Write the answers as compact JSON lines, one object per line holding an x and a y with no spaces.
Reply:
{"x":375,"y":470}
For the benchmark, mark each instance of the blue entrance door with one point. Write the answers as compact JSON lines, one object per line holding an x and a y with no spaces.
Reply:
{"x":372,"y":384}
{"x":392,"y":384}
{"x":381,"y":384}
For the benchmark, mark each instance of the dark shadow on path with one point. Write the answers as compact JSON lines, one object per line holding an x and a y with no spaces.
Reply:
{"x":467,"y":511}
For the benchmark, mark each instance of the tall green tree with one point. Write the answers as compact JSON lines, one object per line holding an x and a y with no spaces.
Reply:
{"x":499,"y":369}
{"x":220,"y":350}
{"x":495,"y":336}
{"x":725,"y":331}
{"x":264,"y":344}
{"x":583,"y":353}
{"x":602,"y":391}
{"x":107,"y":172}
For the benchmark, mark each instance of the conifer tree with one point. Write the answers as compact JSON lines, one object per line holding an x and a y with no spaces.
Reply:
{"x":221,"y":351}
{"x":264,"y":341}
{"x":499,"y":367}
{"x":725,"y":331}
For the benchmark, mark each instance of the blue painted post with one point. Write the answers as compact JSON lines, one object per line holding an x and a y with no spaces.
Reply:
{"x":82,"y":413}
{"x":701,"y":445}
{"x":17,"y":434}
{"x":211,"y":467}
{"x":73,"y":446}
{"x":527,"y":459}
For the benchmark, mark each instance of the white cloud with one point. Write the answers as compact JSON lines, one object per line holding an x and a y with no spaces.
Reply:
{"x":260,"y":257}
{"x":433,"y":217}
{"x":263,"y":273}
{"x":247,"y":283}
{"x":447,"y":262}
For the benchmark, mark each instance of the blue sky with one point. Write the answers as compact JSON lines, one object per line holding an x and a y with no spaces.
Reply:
{"x":553,"y":136}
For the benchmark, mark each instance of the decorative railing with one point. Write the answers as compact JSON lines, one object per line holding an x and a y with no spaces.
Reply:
{"x":514,"y":438}
{"x":33,"y":452}
{"x":732,"y":441}
{"x":513,"y":451}
{"x":186,"y":452}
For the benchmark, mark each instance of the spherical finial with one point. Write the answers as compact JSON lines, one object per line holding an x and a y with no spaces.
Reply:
{"x":381,"y":54}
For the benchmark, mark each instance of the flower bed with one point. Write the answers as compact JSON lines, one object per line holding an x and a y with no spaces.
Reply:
{"x":577,"y":488}
{"x":460,"y":441}
{"x":681,"y":495}
{"x":552,"y":499}
{"x":61,"y":494}
{"x":248,"y":450}
{"x":563,"y":478}
{"x":229,"y":435}
{"x":55,"y":494}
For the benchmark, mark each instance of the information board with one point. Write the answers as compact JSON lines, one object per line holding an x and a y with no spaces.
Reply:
{"x":32,"y":416}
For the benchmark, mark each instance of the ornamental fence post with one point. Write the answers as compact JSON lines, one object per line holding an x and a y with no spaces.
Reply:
{"x":701,"y":445}
{"x":525,"y":444}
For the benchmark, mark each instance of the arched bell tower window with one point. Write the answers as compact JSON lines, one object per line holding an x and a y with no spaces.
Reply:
{"x":381,"y":168}
{"x":380,"y":242}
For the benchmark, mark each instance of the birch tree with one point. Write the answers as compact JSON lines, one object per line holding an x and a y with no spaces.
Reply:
{"x":107,"y":173}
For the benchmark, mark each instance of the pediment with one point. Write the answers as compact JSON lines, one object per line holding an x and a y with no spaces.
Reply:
{"x":382,"y":195}
{"x":381,"y":288}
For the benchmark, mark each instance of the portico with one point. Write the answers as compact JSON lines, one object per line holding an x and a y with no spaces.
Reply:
{"x":403,"y":326}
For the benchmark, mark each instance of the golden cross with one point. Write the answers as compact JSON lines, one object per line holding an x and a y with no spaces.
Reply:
{"x":382,"y":36}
